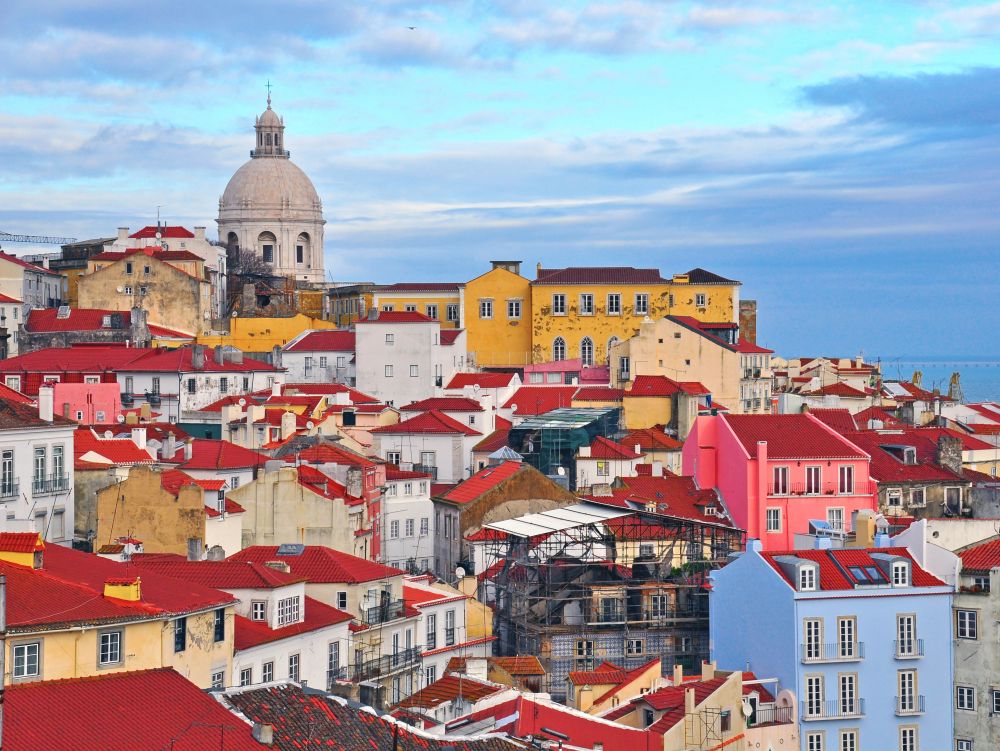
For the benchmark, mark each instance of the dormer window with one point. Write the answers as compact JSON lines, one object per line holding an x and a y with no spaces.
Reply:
{"x":909,"y":455}
{"x":900,"y":574}
{"x":807,"y":578}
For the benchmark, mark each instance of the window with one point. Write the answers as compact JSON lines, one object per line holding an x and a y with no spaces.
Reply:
{"x":246,"y":674}
{"x":145,"y":270}
{"x":388,"y":308}
{"x":128,"y":267}
{"x":835,"y":518}
{"x":807,"y":578}
{"x":299,"y":253}
{"x":906,"y":628}
{"x":848,"y":740}
{"x":220,"y":625}
{"x":128,"y":290}
{"x":293,"y":668}
{"x":414,"y":371}
{"x":634,"y":646}
{"x":614,"y":304}
{"x":641,"y":304}
{"x":774,"y":520}
{"x":432,"y":311}
{"x":13,"y":382}
{"x":332,"y":662}
{"x":219,"y":679}
{"x":223,"y":385}
{"x":907,"y":739}
{"x":814,"y":741}
{"x":848,"y":693}
{"x":907,"y":685}
{"x":266,"y":673}
{"x":586,"y":304}
{"x":390,"y":339}
{"x":388,"y":371}
{"x":603,"y":468}
{"x":392,"y":457}
{"x":410,"y":308}
{"x":430,"y":674}
{"x":7,"y":483}
{"x":485,"y":308}
{"x":394,"y":529}
{"x":27,"y":660}
{"x":779,"y":477}
{"x":143,"y":289}
{"x":996,"y":702}
{"x":587,"y":351}
{"x":156,"y":385}
{"x":192,"y":385}
{"x":918,"y":496}
{"x":894,"y":497}
{"x":451,"y":312}
{"x":128,"y":385}
{"x":40,"y":466}
{"x":700,"y":300}
{"x":424,"y":525}
{"x":559,"y":349}
{"x":559,"y":305}
{"x":449,"y":628}
{"x":258,"y":610}
{"x":288,"y":611}
{"x":341,"y":600}
{"x":967,"y":624}
{"x":846,"y":479}
{"x":813,"y":475}
{"x":109,"y":648}
{"x":409,"y":527}
{"x":814,"y":695}
{"x":963,"y":745}
{"x":180,"y":634}
{"x":900,"y":574}
{"x":812,"y":649}
{"x":513,"y":308}
{"x":847,"y":636}
{"x":584,"y":649}
{"x":647,"y":549}
{"x":965,"y":698}
{"x":659,"y":606}
{"x":431,"y":631}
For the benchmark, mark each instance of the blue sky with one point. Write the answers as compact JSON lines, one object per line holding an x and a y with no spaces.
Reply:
{"x":839,"y":158}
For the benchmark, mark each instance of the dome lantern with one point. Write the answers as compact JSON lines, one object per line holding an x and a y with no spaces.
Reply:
{"x":270,"y":134}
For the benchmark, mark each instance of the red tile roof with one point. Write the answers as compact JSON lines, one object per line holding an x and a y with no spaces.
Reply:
{"x":750,"y":348}
{"x":969,"y":443}
{"x":481,"y":482}
{"x":450,"y":336}
{"x":325,"y":340}
{"x":840,"y":389}
{"x":312,"y":479}
{"x":25,"y":265}
{"x":394,"y":473}
{"x":628,"y":679}
{"x":598,"y":394}
{"x":520,"y":665}
{"x":651,"y":385}
{"x":603,"y":448}
{"x":840,"y":420}
{"x":433,"y":421}
{"x":673,"y":495}
{"x":232,"y":507}
{"x":179,"y":360}
{"x":794,"y":436}
{"x":227,"y":574}
{"x":483,"y":380}
{"x":887,"y":468}
{"x":209,"y":453}
{"x":604,"y":674}
{"x":420,"y":287}
{"x":445,"y":404}
{"x":397,"y":316}
{"x":834,"y":565}
{"x":316,"y":615}
{"x":494,"y":441}
{"x":327,"y":453}
{"x":448,"y":688}
{"x":149,"y":709}
{"x":116,"y":451}
{"x":862,"y":418}
{"x":21,"y":542}
{"x":982,"y":557}
{"x":321,"y":565}
{"x":651,"y":439}
{"x":8,"y":299}
{"x":670,"y":701}
{"x":599,"y":275}
{"x":537,"y":400}
{"x":164,"y":231}
{"x":148,"y":250}
{"x":87,"y":319}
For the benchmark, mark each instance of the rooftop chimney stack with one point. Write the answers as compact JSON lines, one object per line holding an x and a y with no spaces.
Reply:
{"x":139,"y":437}
{"x":198,"y":357}
{"x":45,"y":402}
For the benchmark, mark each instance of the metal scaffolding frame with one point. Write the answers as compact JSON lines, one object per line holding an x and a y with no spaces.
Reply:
{"x":576,"y":594}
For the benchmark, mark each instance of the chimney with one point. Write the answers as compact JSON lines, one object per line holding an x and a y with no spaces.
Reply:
{"x":219,"y":354}
{"x":707,"y":670}
{"x":279,"y":566}
{"x":657,"y":470}
{"x":584,"y":452}
{"x":188,"y":449}
{"x":882,"y":540}
{"x":678,"y":674}
{"x":863,"y":524}
{"x":353,"y":485}
{"x":169,"y":446}
{"x":689,"y":702}
{"x":145,"y":411}
{"x":216,"y":553}
{"x":122,"y":234}
{"x":263,"y":733}
{"x":128,"y":589}
{"x":199,"y":233}
{"x":46,"y":402}
{"x":236,"y":356}
{"x":755,"y":546}
{"x":276,"y":388}
{"x":276,"y":356}
{"x":949,"y":453}
{"x":139,"y":437}
{"x":287,"y":424}
{"x":194,"y":551}
{"x":198,"y":357}
{"x":538,"y":269}
{"x":138,"y":327}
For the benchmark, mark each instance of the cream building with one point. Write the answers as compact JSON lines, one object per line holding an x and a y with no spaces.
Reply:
{"x":271,"y":206}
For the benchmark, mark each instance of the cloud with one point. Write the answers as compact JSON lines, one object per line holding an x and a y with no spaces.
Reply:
{"x":967,"y":99}
{"x":728,"y":17}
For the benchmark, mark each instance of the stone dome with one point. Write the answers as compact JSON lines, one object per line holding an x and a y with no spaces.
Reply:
{"x":270,"y":119}
{"x":275,"y":187}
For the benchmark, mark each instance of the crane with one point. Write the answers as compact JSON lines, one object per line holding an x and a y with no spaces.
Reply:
{"x":37,"y":239}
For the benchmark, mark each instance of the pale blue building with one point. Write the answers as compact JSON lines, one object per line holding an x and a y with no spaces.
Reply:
{"x":861,"y":636}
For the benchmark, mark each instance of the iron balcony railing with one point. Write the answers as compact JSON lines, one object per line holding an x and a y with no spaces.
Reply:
{"x":834,"y":709}
{"x":908,"y":649}
{"x":388,"y":611}
{"x":837,"y":652}
{"x":823,"y":488}
{"x":335,"y":674}
{"x":449,"y":637}
{"x":406,"y":659}
{"x":909,"y":705}
{"x":428,"y":469}
{"x":49,"y":484}
{"x":9,"y":489}
{"x":770,"y":716}
{"x":432,"y":640}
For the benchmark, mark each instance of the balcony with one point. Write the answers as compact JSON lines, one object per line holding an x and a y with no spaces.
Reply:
{"x":907,"y":706}
{"x":432,"y":640}
{"x":908,"y":649}
{"x":823,"y":489}
{"x":838,"y":652}
{"x":428,"y":469}
{"x":387,"y":611}
{"x":770,"y":716}
{"x":835,"y":709}
{"x":335,"y":674}
{"x":9,"y":489}
{"x":49,"y":484}
{"x":449,"y":637}
{"x":407,"y":659}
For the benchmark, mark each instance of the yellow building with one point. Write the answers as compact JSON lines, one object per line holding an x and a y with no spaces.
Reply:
{"x":498,"y":317}
{"x":74,"y":614}
{"x":348,"y":303}
{"x":441,"y":301}
{"x":264,"y":334}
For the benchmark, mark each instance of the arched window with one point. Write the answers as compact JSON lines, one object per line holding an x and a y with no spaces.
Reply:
{"x":611,"y":343}
{"x":266,"y":243}
{"x":302,"y":252}
{"x":559,"y":349}
{"x":232,"y":241}
{"x":267,"y":139}
{"x":587,"y":351}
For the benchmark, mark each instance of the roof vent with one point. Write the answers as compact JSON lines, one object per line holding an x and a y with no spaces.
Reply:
{"x":63,"y":311}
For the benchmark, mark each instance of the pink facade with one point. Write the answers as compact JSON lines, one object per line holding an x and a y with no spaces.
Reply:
{"x":88,"y":403}
{"x":773,"y":488}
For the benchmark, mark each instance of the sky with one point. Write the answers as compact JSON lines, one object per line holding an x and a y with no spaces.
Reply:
{"x":841,"y":159}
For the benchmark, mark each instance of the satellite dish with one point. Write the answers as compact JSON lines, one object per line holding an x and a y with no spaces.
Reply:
{"x":119,"y":290}
{"x":561,"y":471}
{"x":108,"y":434}
{"x":747,"y":709}
{"x":460,"y":572}
{"x":309,"y":425}
{"x":513,"y":408}
{"x":120,"y":418}
{"x":475,"y":388}
{"x":242,"y":402}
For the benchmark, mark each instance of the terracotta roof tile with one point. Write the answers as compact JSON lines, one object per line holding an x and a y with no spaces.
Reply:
{"x":538,"y":400}
{"x":433,"y":421}
{"x":604,"y":448}
{"x":481,"y":482}
{"x":448,"y":688}
{"x":321,"y":565}
{"x":483,"y":380}
{"x":316,"y":615}
{"x":834,"y":566}
{"x":982,"y":557}
{"x":324,"y":340}
{"x":793,"y":436}
{"x":445,"y":404}
{"x":599,"y":275}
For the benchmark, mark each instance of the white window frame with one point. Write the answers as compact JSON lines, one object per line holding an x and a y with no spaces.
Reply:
{"x":772,"y":519}
{"x":965,"y":698}
{"x":486,"y":308}
{"x":558,"y":304}
{"x":700,"y":300}
{"x":614,"y":304}
{"x":289,"y":609}
{"x":586,"y":303}
{"x":846,"y":479}
{"x":807,"y":578}
{"x":514,"y":309}
{"x":779,"y":480}
{"x":967,"y":624}
{"x":641,"y":303}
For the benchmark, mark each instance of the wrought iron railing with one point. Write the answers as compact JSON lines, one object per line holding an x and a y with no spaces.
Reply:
{"x":905,"y":649}
{"x":406,"y":659}
{"x":836,"y":652}
{"x":388,"y":611}
{"x":833,"y":709}
{"x":49,"y":484}
{"x":909,"y":705}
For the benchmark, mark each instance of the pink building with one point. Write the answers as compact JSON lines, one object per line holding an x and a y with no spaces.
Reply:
{"x":88,"y":403}
{"x":775,"y":473}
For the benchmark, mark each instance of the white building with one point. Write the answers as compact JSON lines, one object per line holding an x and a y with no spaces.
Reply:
{"x":407,"y":521}
{"x":476,"y":409}
{"x":603,"y":461}
{"x":36,"y":469}
{"x":271,"y":207}
{"x":320,"y":356}
{"x":403,"y":357}
{"x":431,"y":442}
{"x":35,"y":286}
{"x":11,"y":310}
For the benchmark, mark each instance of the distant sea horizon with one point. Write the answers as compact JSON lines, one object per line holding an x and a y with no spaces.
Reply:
{"x":979,"y":376}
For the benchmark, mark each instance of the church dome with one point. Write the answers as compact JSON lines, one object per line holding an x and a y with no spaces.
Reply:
{"x":271,"y":187}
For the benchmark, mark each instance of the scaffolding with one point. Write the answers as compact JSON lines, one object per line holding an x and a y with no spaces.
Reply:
{"x":625,"y":586}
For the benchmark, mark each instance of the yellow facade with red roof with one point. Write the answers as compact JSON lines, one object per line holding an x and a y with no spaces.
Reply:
{"x":264,"y":334}
{"x":440,"y":301}
{"x":498,"y":317}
